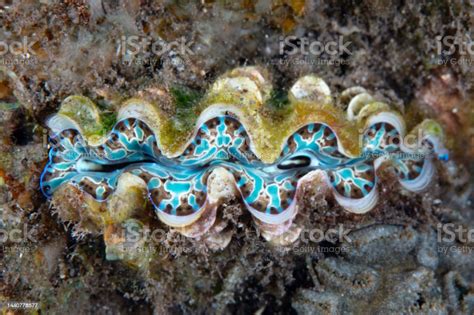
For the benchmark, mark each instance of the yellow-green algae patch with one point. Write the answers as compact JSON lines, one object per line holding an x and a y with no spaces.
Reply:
{"x":269,"y":116}
{"x":267,"y":126}
{"x":82,"y":111}
{"x":430,"y":127}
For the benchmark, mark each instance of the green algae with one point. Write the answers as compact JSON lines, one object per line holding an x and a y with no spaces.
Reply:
{"x":83,"y":111}
{"x":186,"y":102}
{"x":184,"y":97}
{"x":278,"y":99}
{"x":269,"y":115}
{"x":108,"y":121}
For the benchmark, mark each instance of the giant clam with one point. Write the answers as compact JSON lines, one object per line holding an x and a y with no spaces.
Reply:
{"x":239,"y":146}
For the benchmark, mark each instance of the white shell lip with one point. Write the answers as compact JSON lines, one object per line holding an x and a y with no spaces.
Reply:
{"x":438,"y":147}
{"x":309,"y":85}
{"x":58,"y":123}
{"x":287,"y":214}
{"x":423,"y":180}
{"x":390,"y":118}
{"x":272,"y":232}
{"x":356,"y":104}
{"x":351,"y":92}
{"x":216,"y":192}
{"x":180,"y":221}
{"x":203,"y":225}
{"x":358,"y":206}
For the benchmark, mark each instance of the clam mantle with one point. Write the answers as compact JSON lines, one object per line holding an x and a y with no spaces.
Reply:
{"x":238,"y":145}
